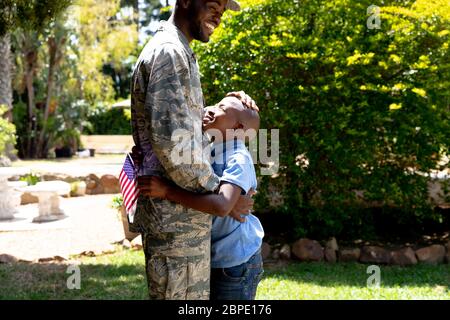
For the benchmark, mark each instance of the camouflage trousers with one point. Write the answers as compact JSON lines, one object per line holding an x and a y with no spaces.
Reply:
{"x":176,"y":242}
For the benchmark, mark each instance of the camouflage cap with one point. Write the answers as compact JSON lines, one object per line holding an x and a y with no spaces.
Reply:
{"x":233,"y":5}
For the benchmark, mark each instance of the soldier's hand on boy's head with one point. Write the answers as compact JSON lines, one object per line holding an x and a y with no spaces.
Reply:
{"x":154,"y":187}
{"x":246,"y":100}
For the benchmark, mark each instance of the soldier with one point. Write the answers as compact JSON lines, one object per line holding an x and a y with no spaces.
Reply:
{"x":166,"y":97}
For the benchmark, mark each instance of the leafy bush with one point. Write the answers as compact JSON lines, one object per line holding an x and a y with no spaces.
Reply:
{"x":360,"y":111}
{"x":7,"y":131}
{"x":110,"y":121}
{"x":117,"y":202}
{"x":31,"y":179}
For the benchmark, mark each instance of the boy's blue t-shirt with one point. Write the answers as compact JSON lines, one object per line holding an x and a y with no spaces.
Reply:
{"x":233,"y":242}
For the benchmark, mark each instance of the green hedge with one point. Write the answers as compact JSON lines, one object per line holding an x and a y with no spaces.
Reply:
{"x":115,"y":121}
{"x":361,"y":105}
{"x":7,"y":131}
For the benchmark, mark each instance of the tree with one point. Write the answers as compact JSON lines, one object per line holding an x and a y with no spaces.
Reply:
{"x":60,"y":72}
{"x":28,"y":15}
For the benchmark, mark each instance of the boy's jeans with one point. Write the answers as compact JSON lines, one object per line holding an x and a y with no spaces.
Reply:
{"x":239,"y":282}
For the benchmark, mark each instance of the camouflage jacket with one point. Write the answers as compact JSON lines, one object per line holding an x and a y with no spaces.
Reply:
{"x":166,"y":106}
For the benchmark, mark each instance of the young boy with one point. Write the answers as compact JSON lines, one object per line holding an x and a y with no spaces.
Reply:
{"x":236,"y":262}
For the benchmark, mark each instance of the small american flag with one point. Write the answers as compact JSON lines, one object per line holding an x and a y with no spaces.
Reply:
{"x":129,"y":187}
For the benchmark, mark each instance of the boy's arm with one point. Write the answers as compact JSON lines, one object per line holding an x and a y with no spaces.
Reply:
{"x":220,"y":204}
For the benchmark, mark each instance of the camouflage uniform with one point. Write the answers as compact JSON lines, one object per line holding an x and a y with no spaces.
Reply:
{"x":166,"y":95}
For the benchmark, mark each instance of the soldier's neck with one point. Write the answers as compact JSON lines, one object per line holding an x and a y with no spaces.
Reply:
{"x":181,"y":23}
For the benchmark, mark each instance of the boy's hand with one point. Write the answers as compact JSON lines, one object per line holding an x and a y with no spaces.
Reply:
{"x":246,"y":100}
{"x":244,"y":206}
{"x":154,"y":187}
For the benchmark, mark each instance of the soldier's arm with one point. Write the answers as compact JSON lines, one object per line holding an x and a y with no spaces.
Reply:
{"x":176,"y":124}
{"x":246,"y":100}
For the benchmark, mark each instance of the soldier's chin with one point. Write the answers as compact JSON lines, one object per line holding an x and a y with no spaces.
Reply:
{"x":203,"y":36}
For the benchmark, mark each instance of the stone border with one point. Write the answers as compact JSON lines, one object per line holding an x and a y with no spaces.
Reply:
{"x":310,"y":250}
{"x":80,"y":186}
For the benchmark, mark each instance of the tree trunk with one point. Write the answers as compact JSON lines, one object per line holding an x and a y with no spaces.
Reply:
{"x":30,"y":60}
{"x":5,"y":72}
{"x":55,"y":55}
{"x":6,"y":91}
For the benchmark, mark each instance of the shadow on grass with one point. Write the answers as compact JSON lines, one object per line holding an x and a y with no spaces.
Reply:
{"x":49,"y":281}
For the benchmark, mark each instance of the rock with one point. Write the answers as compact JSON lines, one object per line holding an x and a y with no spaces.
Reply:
{"x":109,"y":250}
{"x":404,"y":257}
{"x":52,"y":259}
{"x":7,"y":258}
{"x":349,"y":255}
{"x":93,"y":185}
{"x":98,"y":252}
{"x":70,"y":179}
{"x":5,"y":162}
{"x":276,"y":254}
{"x":110,"y":184}
{"x":433,"y":254}
{"x":88,"y":253}
{"x":60,"y":258}
{"x":307,"y":250}
{"x":14,"y":178}
{"x":285,"y":252}
{"x":265,"y":250}
{"x":375,"y":255}
{"x":332,"y":244}
{"x":137,"y":243}
{"x":90,"y":184}
{"x":330,"y":255}
{"x":126,"y":243}
{"x":51,"y":177}
{"x":27,"y":198}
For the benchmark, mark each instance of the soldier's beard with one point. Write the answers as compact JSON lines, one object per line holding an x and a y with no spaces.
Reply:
{"x":195,"y":26}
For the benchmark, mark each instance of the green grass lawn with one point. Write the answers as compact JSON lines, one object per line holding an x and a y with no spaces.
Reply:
{"x":121,"y":276}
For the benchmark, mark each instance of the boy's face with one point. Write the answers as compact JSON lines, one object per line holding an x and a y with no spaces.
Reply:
{"x":223,"y":116}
